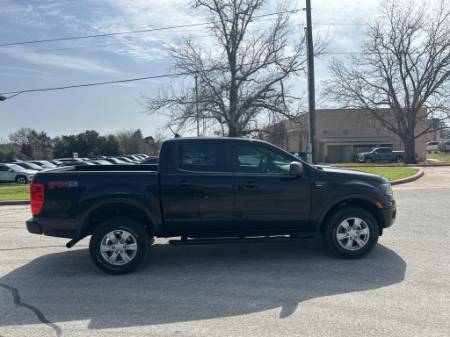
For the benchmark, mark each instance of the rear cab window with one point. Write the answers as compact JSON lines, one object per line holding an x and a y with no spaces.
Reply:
{"x":201,"y":157}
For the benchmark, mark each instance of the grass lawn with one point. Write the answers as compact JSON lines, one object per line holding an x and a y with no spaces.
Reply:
{"x":442,"y":157}
{"x":14,"y":192}
{"x":391,"y":173}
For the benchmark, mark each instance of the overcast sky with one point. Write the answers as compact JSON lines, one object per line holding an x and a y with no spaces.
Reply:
{"x":116,"y":107}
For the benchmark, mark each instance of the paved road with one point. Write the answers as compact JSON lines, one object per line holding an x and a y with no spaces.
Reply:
{"x":401,"y":289}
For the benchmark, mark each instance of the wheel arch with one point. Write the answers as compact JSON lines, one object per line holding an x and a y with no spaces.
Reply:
{"x":105,"y":209}
{"x":18,"y":175}
{"x":356,"y":201}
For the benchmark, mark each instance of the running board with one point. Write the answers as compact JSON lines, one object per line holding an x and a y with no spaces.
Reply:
{"x":235,"y":240}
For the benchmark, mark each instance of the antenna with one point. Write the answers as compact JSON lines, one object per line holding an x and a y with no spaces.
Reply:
{"x":176,"y":135}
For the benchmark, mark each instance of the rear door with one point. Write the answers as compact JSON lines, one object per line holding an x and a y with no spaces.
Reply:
{"x":268,"y":198}
{"x":198,"y":188}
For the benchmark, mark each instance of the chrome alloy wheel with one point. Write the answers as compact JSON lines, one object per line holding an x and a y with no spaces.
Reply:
{"x":118,"y":247}
{"x":352,"y":234}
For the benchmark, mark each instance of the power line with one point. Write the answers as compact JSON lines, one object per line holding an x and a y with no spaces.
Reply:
{"x":91,"y":84}
{"x":71,"y":38}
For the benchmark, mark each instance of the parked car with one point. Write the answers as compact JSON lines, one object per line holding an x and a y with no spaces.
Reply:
{"x":433,"y":146}
{"x":101,"y":162}
{"x":74,"y":162}
{"x":28,"y":165}
{"x":134,"y":158}
{"x":15,"y":173}
{"x":150,"y":160}
{"x":56,"y":162}
{"x":444,"y":146}
{"x":206,"y":191}
{"x":44,"y":163}
{"x":128,"y":160}
{"x":118,"y":161}
{"x":380,"y":154}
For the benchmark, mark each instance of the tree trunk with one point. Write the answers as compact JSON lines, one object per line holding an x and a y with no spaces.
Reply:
{"x":410,"y":149}
{"x":232,"y":131}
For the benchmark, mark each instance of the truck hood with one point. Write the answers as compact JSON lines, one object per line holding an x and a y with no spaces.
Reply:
{"x":352,"y":174}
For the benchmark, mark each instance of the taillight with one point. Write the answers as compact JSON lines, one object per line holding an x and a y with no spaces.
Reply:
{"x":37,"y":197}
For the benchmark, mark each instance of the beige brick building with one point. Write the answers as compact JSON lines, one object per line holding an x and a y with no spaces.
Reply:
{"x":340,"y":134}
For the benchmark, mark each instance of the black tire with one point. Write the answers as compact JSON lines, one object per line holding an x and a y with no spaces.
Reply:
{"x":331,"y":232}
{"x":399,"y":159}
{"x":119,"y":224}
{"x":21,"y":180}
{"x":369,"y":160}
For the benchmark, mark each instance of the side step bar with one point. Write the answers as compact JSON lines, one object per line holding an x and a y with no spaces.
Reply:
{"x":235,"y":240}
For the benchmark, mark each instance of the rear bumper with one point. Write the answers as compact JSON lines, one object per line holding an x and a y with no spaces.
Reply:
{"x":33,"y":227}
{"x":51,"y":229}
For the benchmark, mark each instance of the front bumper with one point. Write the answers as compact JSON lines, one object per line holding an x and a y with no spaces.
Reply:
{"x":389,"y":214}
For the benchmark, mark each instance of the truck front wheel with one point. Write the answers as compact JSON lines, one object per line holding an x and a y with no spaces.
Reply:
{"x":351,"y":232}
{"x":118,"y":245}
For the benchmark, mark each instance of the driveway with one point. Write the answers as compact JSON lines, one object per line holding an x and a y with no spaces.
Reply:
{"x":293,"y":289}
{"x":435,"y":177}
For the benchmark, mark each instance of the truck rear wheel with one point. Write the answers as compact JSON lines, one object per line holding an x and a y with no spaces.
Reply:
{"x":118,"y":245}
{"x":351,"y":232}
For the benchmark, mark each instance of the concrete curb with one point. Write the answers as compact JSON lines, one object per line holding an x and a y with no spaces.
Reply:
{"x":409,"y":179}
{"x":14,"y":202}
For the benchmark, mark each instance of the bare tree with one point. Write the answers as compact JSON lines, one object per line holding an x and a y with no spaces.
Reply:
{"x":243,"y":74}
{"x":404,"y":65}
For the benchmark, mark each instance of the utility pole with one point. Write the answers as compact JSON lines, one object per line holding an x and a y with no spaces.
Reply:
{"x":311,"y":87}
{"x":196,"y":106}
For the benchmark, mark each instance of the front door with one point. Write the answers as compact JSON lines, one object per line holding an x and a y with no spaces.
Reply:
{"x":5,"y":173}
{"x":268,"y":198}
{"x":197,"y":191}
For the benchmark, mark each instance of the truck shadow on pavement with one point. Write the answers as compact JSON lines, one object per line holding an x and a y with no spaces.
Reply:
{"x":179,"y":284}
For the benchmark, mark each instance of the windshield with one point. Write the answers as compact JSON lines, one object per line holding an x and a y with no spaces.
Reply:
{"x":33,"y":166}
{"x":16,"y":167}
{"x":47,"y":164}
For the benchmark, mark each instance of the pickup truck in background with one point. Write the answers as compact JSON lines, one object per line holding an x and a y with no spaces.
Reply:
{"x":206,"y":191}
{"x":380,"y":154}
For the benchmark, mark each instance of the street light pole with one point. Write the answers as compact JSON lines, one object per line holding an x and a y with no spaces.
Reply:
{"x":196,"y":106}
{"x":311,"y":86}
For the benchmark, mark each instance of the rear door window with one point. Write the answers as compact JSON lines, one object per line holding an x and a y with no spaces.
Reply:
{"x":201,"y":157}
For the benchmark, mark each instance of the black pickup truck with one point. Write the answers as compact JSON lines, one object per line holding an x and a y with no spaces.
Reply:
{"x":205,"y":191}
{"x":380,"y":154}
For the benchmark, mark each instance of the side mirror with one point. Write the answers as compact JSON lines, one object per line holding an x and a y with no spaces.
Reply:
{"x":296,"y":168}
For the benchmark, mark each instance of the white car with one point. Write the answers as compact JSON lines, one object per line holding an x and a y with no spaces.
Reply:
{"x":433,"y":145}
{"x":15,"y":173}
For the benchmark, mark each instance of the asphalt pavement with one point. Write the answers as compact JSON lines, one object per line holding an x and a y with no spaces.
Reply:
{"x":293,"y":289}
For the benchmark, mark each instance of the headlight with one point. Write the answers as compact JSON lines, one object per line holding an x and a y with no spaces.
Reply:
{"x":387,"y":189}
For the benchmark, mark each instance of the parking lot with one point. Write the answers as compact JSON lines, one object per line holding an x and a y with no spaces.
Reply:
{"x":271,"y":289}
